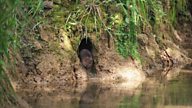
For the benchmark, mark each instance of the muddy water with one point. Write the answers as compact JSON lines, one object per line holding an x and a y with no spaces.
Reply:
{"x":163,"y":93}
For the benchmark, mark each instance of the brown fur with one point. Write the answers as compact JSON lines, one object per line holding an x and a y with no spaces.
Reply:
{"x":86,"y":58}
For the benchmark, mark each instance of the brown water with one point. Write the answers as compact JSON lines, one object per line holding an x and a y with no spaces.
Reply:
{"x":172,"y":93}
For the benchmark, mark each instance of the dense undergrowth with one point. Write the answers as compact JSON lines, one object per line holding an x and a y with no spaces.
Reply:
{"x":122,"y":20}
{"x":13,"y":20}
{"x":8,"y":42}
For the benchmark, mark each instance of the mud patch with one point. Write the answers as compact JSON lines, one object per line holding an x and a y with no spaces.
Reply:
{"x":48,"y":63}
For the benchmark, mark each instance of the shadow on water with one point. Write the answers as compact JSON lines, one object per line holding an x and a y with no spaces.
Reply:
{"x":89,"y":96}
{"x":175,"y":92}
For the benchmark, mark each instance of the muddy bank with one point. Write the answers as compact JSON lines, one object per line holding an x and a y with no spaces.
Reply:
{"x":153,"y":92}
{"x":50,"y":63}
{"x":51,"y":68}
{"x":48,"y":55}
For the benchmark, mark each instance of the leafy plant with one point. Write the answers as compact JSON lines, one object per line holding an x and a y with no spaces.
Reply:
{"x":11,"y":15}
{"x":7,"y":39}
{"x":126,"y":33}
{"x":176,"y":7}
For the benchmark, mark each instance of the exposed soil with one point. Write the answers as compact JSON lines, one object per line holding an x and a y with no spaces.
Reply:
{"x":48,"y":58}
{"x":49,"y":69}
{"x":185,"y":32}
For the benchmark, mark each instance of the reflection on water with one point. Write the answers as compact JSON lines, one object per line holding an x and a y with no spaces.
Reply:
{"x":169,"y":94}
{"x":175,"y":93}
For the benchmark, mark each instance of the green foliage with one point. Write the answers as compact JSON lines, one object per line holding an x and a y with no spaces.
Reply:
{"x":123,"y":19}
{"x":12,"y":14}
{"x":176,"y":7}
{"x":140,"y":13}
{"x":7,"y":39}
{"x":35,"y":7}
{"x":86,"y":16}
{"x":155,"y":12}
{"x":126,"y":32}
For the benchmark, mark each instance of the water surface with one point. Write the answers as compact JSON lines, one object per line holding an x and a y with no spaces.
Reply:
{"x":161,"y":93}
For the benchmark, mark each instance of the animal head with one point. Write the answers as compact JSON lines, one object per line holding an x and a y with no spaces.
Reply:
{"x":87,"y":62}
{"x":86,"y":58}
